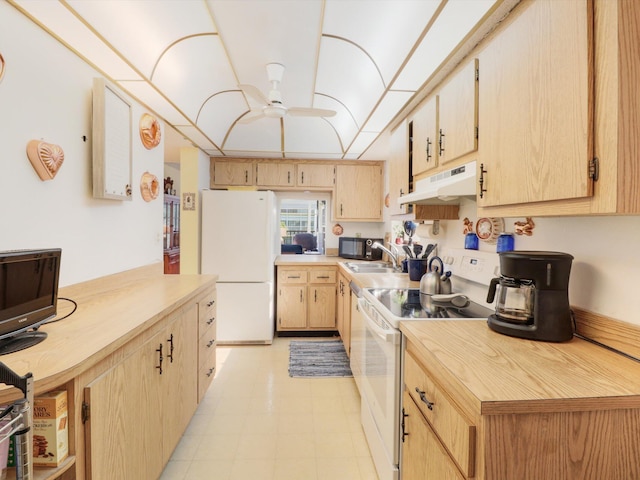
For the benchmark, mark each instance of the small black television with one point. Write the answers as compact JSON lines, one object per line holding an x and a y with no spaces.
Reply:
{"x":28,"y":296}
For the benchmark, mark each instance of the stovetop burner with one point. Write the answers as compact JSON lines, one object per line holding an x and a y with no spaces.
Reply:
{"x":404,"y":303}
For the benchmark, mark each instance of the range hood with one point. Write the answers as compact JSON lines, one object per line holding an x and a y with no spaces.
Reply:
{"x":444,"y":188}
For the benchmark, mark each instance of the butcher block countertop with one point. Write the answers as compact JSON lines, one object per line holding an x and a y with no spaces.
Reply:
{"x":111,"y":311}
{"x":501,"y":374}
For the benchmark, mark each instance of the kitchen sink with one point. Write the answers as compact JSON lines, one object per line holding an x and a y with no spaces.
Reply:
{"x":358,"y":267}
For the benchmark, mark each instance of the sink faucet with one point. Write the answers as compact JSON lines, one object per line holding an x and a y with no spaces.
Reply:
{"x":394,"y":256}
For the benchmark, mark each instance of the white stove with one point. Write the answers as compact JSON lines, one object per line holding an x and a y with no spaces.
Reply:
{"x":376,"y":346}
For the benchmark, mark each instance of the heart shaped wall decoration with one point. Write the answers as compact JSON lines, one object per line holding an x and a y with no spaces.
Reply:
{"x":150,"y":133}
{"x":46,"y":158}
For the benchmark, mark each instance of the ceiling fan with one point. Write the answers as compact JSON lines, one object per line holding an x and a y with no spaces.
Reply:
{"x":272,"y":105}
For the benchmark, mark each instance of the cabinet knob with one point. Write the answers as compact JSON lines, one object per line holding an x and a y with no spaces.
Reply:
{"x":423,"y":397}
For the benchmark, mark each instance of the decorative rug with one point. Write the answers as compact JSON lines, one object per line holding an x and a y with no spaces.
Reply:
{"x":326,"y":358}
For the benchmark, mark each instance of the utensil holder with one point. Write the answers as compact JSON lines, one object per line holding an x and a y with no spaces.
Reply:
{"x":417,"y":268}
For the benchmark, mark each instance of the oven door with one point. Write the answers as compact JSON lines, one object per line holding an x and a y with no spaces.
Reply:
{"x":380,"y":383}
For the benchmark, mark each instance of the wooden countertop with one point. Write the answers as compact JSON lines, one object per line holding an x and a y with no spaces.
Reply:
{"x":111,"y":311}
{"x":499,"y":373}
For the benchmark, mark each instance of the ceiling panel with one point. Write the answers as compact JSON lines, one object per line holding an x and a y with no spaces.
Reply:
{"x":183,"y":60}
{"x":385,"y":29}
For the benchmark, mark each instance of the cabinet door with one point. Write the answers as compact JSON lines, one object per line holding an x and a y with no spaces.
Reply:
{"x":320,"y":175}
{"x":398,"y":169}
{"x":424,"y":155}
{"x":363,"y":203}
{"x":423,"y":457}
{"x":458,"y":114}
{"x":292,"y":307}
{"x":232,"y":173}
{"x":535,"y":97}
{"x":275,"y":174}
{"x":121,"y":401}
{"x":322,"y":306}
{"x":179,"y":378}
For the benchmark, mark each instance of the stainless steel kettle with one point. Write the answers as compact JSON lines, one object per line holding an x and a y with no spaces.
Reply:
{"x":435,"y":281}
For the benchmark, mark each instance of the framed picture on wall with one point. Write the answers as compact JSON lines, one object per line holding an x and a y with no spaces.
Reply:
{"x":111,"y":142}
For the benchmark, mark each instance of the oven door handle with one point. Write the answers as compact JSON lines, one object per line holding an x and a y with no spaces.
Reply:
{"x":390,"y":336}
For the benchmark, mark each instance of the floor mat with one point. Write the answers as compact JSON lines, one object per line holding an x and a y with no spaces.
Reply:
{"x":326,"y":358}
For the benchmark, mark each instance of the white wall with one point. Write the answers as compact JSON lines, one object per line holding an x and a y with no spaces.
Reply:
{"x":46,"y":94}
{"x":605,"y":272}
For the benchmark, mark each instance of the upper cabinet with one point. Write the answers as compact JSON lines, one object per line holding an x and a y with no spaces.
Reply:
{"x":458,"y":114}
{"x":358,"y":193}
{"x":315,"y":175}
{"x":398,"y":169}
{"x":536,"y":98}
{"x":275,"y":174}
{"x":425,"y":149}
{"x":231,"y":172}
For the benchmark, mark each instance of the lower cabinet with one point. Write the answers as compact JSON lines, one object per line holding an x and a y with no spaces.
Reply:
{"x":423,"y":456}
{"x":306,"y":298}
{"x":343,"y":312}
{"x":207,"y":342}
{"x":136,"y":411}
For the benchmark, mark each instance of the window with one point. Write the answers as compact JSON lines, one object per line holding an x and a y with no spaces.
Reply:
{"x":303,"y":222}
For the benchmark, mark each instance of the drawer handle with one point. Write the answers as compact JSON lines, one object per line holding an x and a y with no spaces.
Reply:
{"x":298,"y":276}
{"x":211,"y":320}
{"x":211,"y":303}
{"x":323,"y":276}
{"x":423,"y":397}
{"x":210,"y":372}
{"x":211,"y":342}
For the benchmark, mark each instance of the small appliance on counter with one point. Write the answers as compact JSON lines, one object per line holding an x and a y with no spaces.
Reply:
{"x":359,"y":248}
{"x":532,"y":296}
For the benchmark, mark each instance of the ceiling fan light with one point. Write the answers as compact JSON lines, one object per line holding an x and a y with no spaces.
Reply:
{"x":274,"y":111}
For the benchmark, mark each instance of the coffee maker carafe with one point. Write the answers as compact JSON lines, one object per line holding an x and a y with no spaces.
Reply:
{"x":531,"y":294}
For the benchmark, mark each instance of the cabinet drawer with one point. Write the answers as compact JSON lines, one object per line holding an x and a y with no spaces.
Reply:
{"x":322,"y":276}
{"x":207,"y":322}
{"x":292,"y":276}
{"x":205,"y":373}
{"x":206,"y":345}
{"x":207,"y":306}
{"x":456,"y":433}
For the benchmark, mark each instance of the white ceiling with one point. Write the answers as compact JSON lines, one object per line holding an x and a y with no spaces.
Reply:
{"x":366,"y":59}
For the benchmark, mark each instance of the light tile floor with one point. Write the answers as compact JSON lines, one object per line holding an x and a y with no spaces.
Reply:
{"x":257,"y":423}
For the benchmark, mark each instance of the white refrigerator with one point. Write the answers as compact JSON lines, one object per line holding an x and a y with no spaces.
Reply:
{"x":240,"y":242}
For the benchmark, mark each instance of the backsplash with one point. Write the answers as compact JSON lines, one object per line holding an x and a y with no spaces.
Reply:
{"x":606,"y":266}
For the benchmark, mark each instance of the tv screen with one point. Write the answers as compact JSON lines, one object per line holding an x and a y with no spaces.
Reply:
{"x":28,"y":293}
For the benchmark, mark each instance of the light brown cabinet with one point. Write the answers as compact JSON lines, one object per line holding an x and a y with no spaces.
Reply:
{"x":207,"y":342}
{"x":275,"y":174}
{"x":458,"y":114}
{"x":306,"y":298}
{"x":563,"y":411}
{"x":232,"y":173}
{"x":129,"y":434}
{"x":315,"y":175}
{"x":343,"y":311}
{"x":399,"y":169}
{"x":425,"y":150}
{"x":536,"y":98}
{"x":358,"y":193}
{"x":423,"y":456}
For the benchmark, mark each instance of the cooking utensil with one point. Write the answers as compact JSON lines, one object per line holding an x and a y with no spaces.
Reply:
{"x":408,"y":251}
{"x":455,"y":299}
{"x":417,"y":249}
{"x":428,"y":250}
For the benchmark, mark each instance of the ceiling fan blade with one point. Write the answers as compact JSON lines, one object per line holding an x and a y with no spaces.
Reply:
{"x":252,"y":116}
{"x":255,"y":93}
{"x":310,"y":112}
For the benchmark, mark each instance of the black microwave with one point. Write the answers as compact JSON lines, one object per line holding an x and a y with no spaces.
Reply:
{"x":359,"y":248}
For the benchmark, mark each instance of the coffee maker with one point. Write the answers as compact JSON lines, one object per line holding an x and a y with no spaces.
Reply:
{"x":532,"y":296}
